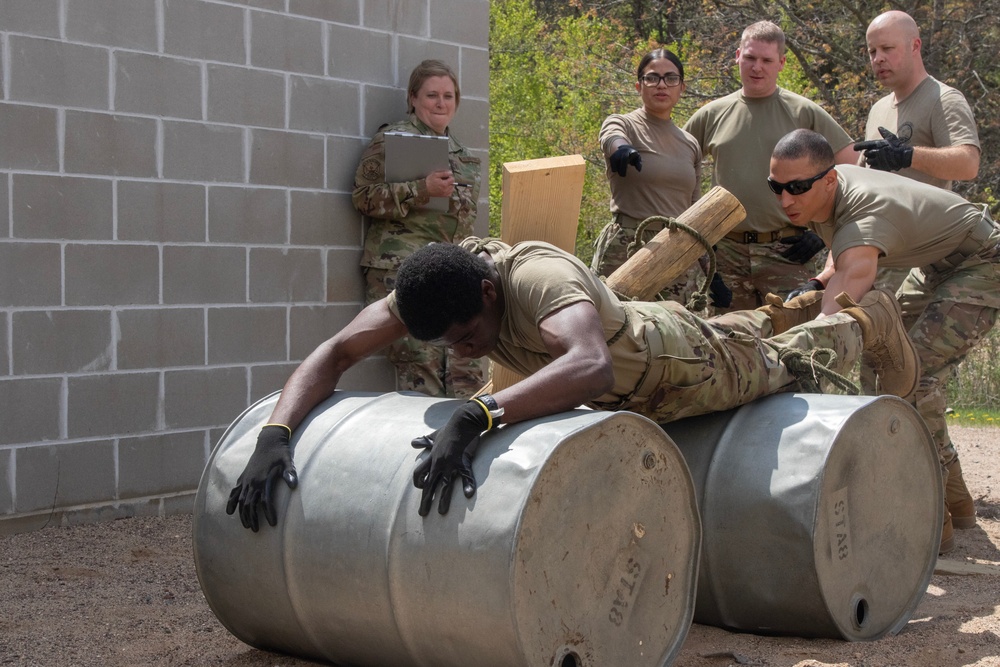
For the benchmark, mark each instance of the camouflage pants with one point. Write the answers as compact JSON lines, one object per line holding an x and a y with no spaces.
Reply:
{"x":947,"y":314}
{"x":752,"y":270}
{"x":619,"y":234}
{"x":723,"y":362}
{"x":420,"y":366}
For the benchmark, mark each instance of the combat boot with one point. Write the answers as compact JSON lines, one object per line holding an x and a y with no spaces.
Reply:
{"x":947,"y":535}
{"x":785,"y":315}
{"x":890,"y":350}
{"x":957,"y":498}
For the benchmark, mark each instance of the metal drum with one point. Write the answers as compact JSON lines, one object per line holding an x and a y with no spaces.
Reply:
{"x":821,"y":514}
{"x":580,"y":547}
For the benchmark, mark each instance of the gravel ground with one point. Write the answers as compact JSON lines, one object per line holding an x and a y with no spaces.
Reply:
{"x":126,"y":593}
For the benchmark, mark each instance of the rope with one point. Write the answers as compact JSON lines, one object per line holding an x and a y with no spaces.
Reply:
{"x":809,"y":366}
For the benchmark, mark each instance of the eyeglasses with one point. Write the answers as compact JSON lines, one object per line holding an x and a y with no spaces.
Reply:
{"x":652,"y":79}
{"x":796,"y":187}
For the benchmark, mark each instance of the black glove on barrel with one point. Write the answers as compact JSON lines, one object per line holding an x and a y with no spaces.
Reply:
{"x":452,"y":447}
{"x":623,"y":157}
{"x":271,"y":459}
{"x":722,"y":296}
{"x":802,"y":248}
{"x":887,"y":154}
{"x":812,"y":286}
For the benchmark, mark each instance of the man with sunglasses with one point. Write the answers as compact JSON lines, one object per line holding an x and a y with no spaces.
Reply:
{"x":871,"y":219}
{"x":764,"y":253}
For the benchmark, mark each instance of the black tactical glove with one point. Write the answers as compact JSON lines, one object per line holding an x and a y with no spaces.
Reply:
{"x":812,"y":286}
{"x":887,"y":154}
{"x":623,"y":157}
{"x":802,"y":248}
{"x":451,"y":450}
{"x":271,"y":459}
{"x":722,"y":296}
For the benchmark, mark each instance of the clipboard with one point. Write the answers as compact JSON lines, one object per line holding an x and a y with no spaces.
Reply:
{"x":409,"y":157}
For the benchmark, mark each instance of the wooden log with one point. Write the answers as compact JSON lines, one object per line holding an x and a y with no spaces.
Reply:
{"x":540,"y":202}
{"x":668,"y":254}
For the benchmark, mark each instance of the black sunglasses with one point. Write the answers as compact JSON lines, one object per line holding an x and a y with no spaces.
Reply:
{"x":796,"y":187}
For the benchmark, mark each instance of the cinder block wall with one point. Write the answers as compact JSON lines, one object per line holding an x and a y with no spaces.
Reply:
{"x":176,"y":230}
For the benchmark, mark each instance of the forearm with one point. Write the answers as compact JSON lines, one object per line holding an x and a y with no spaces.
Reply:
{"x":950,"y":163}
{"x":856,"y":281}
{"x":563,"y":385}
{"x":389,"y":201}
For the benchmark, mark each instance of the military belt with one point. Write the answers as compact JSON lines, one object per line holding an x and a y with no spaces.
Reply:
{"x":973,"y":244}
{"x":763,"y":237}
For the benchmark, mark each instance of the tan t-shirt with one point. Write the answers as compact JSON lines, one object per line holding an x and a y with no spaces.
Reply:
{"x":539,"y":279}
{"x":670,"y":180}
{"x":740,"y":133}
{"x":911,"y":223}
{"x":938,"y":116}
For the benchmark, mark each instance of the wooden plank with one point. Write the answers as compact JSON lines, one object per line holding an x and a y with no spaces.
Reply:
{"x":540,"y":202}
{"x":668,"y":254}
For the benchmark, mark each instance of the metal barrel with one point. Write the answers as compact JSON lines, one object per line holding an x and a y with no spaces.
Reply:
{"x":821,"y":514}
{"x":579,"y":549}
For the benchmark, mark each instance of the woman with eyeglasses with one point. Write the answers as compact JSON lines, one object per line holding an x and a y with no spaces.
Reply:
{"x":653,"y":167}
{"x":402,"y":217}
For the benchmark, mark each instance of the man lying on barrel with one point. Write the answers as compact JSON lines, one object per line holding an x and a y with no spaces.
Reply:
{"x":541,"y":312}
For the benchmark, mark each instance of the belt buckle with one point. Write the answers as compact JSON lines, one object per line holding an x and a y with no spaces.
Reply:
{"x":750,"y":237}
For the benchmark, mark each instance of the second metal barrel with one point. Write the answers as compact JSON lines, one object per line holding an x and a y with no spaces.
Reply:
{"x":821,"y":514}
{"x":579,"y":549}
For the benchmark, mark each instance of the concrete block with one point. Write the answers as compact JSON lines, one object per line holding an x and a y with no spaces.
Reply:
{"x":103,"y":143}
{"x":161,"y":212}
{"x":342,"y":156}
{"x":157,"y":85}
{"x":383,"y":105}
{"x":342,"y":11}
{"x":461,"y":21}
{"x":403,"y":17}
{"x":30,"y":139}
{"x":39,"y":397}
{"x":266,"y":379}
{"x":202,"y":152}
{"x":273,"y":5}
{"x":471,"y":124}
{"x":245,"y":96}
{"x":286,"y":43}
{"x":324,"y":218}
{"x":6,"y":490}
{"x":204,"y":31}
{"x":474,"y":73}
{"x":360,"y":55}
{"x":322,"y":105}
{"x":116,"y":274}
{"x":282,"y":275}
{"x":4,"y":206}
{"x":112,"y":404}
{"x":289,"y":159}
{"x":247,"y":215}
{"x":205,"y":397}
{"x":158,"y":464}
{"x":126,"y":23}
{"x":311,"y":325}
{"x":30,"y":275}
{"x":344,"y":281}
{"x":34,"y":17}
{"x":61,"y":475}
{"x":47,"y":71}
{"x":4,"y":344}
{"x":60,"y":341}
{"x":204,"y":274}
{"x":160,"y":337}
{"x":240,"y":335}
{"x":61,"y":207}
{"x":412,"y":50}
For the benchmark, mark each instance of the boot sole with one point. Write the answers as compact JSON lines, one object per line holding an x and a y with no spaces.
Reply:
{"x":963,"y":522}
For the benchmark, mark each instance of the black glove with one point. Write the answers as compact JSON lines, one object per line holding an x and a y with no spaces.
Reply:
{"x":623,"y":157}
{"x":887,"y":154}
{"x":802,"y":248}
{"x":812,"y":286}
{"x":271,"y":459}
{"x":722,"y":296}
{"x":451,"y":449}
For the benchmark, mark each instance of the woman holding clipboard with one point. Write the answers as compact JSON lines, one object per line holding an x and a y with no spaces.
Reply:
{"x":404,"y":215}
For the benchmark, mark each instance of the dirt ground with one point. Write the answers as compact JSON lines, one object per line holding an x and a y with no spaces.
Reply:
{"x":126,"y":593}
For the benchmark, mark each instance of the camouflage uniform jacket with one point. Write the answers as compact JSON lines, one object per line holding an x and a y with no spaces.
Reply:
{"x":398,"y":223}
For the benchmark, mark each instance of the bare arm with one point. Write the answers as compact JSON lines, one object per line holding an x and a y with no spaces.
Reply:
{"x":951,"y":163}
{"x":847,"y":155}
{"x":317,"y":377}
{"x":580,"y":371}
{"x":854,"y":273}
